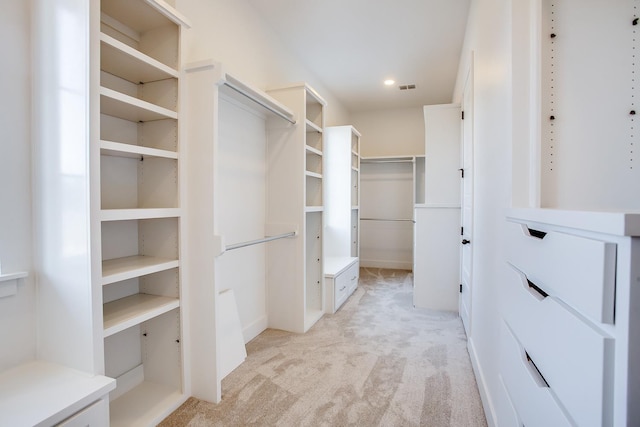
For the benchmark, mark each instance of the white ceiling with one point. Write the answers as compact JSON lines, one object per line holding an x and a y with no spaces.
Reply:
{"x":352,"y":46}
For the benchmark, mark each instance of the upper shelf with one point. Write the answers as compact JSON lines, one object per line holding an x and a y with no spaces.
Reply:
{"x":130,"y":64}
{"x":133,"y":310}
{"x":136,"y":14}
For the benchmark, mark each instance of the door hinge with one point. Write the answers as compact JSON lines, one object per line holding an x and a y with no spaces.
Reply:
{"x":461,"y":172}
{"x":463,"y":115}
{"x":460,"y":287}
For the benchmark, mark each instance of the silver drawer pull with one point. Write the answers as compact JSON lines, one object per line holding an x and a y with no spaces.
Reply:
{"x":343,"y":288}
{"x":536,"y":233}
{"x":539,"y":291}
{"x":535,"y":370}
{"x":354,"y":278}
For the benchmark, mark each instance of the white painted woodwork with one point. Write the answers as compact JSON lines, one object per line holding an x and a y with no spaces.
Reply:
{"x":9,"y":283}
{"x":295,"y":300}
{"x":571,"y":354}
{"x":135,"y":309}
{"x":436,"y":255}
{"x":43,"y":394}
{"x":467,"y":194}
{"x":579,"y":271}
{"x":95,"y":415}
{"x":341,"y":280}
{"x":227,"y":167}
{"x":341,"y":167}
{"x":586,"y":359}
{"x":436,"y":268}
{"x":536,"y":405}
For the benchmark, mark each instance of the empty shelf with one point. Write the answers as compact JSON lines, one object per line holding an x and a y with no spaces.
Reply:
{"x":127,"y":107}
{"x":138,"y":213}
{"x":312,"y":127}
{"x":147,"y":404}
{"x":130,"y":64}
{"x":118,"y":149}
{"x":133,"y":310}
{"x":118,"y":269}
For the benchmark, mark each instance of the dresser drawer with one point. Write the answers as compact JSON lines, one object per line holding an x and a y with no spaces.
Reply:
{"x":530,"y":396}
{"x":574,"y":358}
{"x":578,"y":270}
{"x":341,"y":289}
{"x":352,"y":274}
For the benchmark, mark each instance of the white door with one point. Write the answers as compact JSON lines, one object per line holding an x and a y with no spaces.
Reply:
{"x":466,"y":238}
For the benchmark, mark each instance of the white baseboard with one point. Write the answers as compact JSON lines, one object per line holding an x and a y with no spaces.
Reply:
{"x":254,"y":329}
{"x":396,"y":265}
{"x":485,"y":396}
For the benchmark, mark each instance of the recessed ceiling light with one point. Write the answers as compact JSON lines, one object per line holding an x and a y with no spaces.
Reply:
{"x":389,"y":82}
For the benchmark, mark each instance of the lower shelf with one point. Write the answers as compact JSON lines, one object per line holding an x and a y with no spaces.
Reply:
{"x":135,"y":309}
{"x":145,"y":405}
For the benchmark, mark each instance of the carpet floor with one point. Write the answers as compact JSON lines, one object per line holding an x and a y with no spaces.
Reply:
{"x":378,"y":361}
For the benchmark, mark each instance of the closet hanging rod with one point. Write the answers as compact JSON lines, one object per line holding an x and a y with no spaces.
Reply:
{"x":388,"y":219}
{"x":259,"y":102}
{"x":258,"y":241}
{"x":385,"y":161}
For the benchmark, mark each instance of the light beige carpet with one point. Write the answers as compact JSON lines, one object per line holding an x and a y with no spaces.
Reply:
{"x":377,"y":362}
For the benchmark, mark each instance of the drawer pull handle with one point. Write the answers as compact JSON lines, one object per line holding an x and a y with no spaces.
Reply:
{"x":343,"y":288}
{"x":354,"y":278}
{"x":536,"y":370}
{"x":537,"y":289}
{"x":536,"y":233}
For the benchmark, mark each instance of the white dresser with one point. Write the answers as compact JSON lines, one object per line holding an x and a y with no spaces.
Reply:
{"x":341,"y":280}
{"x":569,"y":350}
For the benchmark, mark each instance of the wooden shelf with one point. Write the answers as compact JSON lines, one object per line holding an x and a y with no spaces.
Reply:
{"x":312,"y":127}
{"x":130,"y":64}
{"x":136,"y":14}
{"x":145,"y":405}
{"x":133,"y":310}
{"x":310,"y":209}
{"x":127,"y":107}
{"x":313,"y":175}
{"x":313,"y":150}
{"x":135,"y":214}
{"x":118,"y":269}
{"x":118,"y":149}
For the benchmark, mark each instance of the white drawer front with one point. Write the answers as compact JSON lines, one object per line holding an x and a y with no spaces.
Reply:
{"x":352,"y":274}
{"x":341,"y":289}
{"x":578,"y":270}
{"x":572,"y":356}
{"x":531,"y":398}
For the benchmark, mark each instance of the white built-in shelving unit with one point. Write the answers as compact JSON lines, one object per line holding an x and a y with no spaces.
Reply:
{"x":295,"y":185}
{"x":342,"y":207}
{"x":140,"y":215}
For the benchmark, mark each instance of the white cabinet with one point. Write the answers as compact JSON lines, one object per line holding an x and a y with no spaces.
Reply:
{"x":567,"y":343}
{"x":341,"y":280}
{"x":295,"y":187}
{"x":436,"y":257}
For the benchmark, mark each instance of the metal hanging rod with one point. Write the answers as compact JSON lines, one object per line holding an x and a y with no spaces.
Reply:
{"x":259,"y":102}
{"x":388,"y":219}
{"x":386,"y":161}
{"x":258,"y":241}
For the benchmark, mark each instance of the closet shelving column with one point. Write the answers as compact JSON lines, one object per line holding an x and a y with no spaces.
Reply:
{"x":355,"y":193}
{"x":140,"y":207}
{"x":294,"y":156}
